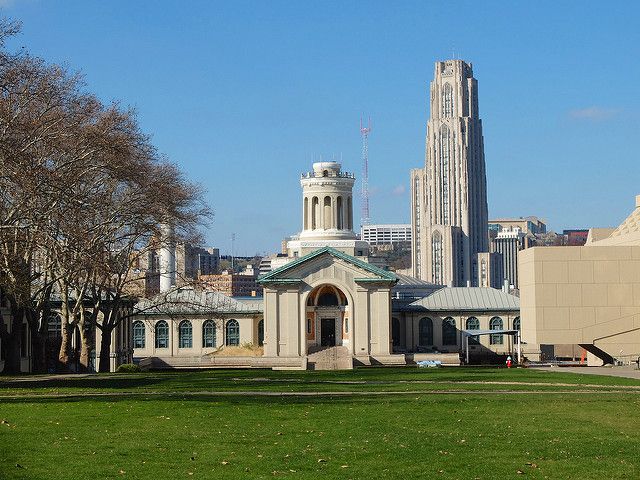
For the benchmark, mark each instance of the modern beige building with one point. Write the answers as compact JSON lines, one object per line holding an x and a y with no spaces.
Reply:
{"x":589,"y":296}
{"x":449,"y":195}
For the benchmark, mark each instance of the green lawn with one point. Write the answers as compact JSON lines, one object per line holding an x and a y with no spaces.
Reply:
{"x":174,"y":425}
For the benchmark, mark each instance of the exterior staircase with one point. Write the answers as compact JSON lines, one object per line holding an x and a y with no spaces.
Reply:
{"x":601,"y":354}
{"x":330,"y":358}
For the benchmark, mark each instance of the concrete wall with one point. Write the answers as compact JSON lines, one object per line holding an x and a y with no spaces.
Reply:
{"x":582,"y":295}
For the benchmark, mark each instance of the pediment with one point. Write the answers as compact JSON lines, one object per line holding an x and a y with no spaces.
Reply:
{"x":328,"y":263}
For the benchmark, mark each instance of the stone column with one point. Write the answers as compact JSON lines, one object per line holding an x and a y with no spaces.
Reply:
{"x":360,"y":326}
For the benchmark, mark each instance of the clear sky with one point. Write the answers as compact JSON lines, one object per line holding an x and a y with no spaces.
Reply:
{"x":245,"y":95}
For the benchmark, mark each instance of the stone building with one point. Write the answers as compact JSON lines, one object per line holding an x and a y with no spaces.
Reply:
{"x":324,"y":306}
{"x":449,"y":195}
{"x":231,"y":284}
{"x":327,"y":213}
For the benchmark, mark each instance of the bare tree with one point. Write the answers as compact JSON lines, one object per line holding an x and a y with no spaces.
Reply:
{"x":82,"y":192}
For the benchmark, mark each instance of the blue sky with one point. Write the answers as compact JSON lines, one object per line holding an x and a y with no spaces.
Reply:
{"x":244,"y":95}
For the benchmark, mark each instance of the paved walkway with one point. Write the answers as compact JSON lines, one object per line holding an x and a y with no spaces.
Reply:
{"x":624,"y":371}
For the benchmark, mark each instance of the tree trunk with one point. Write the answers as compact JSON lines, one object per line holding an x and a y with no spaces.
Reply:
{"x":66,"y":353}
{"x":105,"y":350}
{"x":86,"y":347}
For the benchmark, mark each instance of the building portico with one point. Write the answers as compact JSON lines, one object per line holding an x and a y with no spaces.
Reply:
{"x":328,"y":299}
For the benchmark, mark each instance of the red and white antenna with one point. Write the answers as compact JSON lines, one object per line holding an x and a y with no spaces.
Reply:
{"x":364,"y":132}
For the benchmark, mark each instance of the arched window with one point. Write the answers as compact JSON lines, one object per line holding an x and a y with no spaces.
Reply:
{"x":395,"y":332}
{"x":138,"y":334}
{"x":346,"y":325}
{"x":309,"y":326}
{"x":495,"y":324}
{"x":473,"y":324}
{"x":328,"y":299}
{"x":436,"y":257}
{"x":162,"y":334}
{"x":326,"y":214}
{"x":516,"y":323}
{"x":209,"y":334}
{"x":54,"y":326}
{"x":185,"y":334}
{"x":449,"y":336}
{"x":339,"y":213}
{"x":425,"y":332}
{"x":314,"y":213}
{"x":305,"y":214}
{"x":233,"y":333}
{"x":261,"y":333}
{"x":447,"y":101}
{"x":349,"y":214}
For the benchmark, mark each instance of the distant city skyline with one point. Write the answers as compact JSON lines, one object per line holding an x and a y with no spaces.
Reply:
{"x":245,"y":95}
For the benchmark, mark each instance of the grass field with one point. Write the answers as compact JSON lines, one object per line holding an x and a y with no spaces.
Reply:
{"x":367,"y":423}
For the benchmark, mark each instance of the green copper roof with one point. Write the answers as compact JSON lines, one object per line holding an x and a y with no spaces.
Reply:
{"x":384,"y":274}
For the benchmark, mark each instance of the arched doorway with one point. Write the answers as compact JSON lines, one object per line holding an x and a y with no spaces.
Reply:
{"x":327,"y":318}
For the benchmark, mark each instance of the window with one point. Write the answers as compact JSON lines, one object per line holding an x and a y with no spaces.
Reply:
{"x":516,"y":323}
{"x":495,"y":324}
{"x":447,"y":101}
{"x":395,"y":332}
{"x":326,"y":213}
{"x":425,"y":332}
{"x":309,"y":326}
{"x":233,"y":333}
{"x":314,"y":213}
{"x":436,"y":258}
{"x":473,"y":324}
{"x":445,"y":154}
{"x":209,"y":334}
{"x":346,"y":325}
{"x":162,"y":334}
{"x":54,"y":326}
{"x":185,"y":334}
{"x":138,"y":334}
{"x":449,"y":336}
{"x":261,"y":333}
{"x":328,"y":299}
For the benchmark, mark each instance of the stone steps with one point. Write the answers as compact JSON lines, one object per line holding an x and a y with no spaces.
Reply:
{"x":330,"y":358}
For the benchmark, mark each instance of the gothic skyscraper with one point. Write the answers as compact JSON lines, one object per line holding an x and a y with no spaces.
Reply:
{"x":449,"y":195}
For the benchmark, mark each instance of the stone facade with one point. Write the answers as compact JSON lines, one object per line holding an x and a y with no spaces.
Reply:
{"x":449,"y":196}
{"x":326,"y":299}
{"x":327,"y":213}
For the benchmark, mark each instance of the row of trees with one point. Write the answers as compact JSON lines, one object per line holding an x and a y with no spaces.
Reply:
{"x":82,"y":195}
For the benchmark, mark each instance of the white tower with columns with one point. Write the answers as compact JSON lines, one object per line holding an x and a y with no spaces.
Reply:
{"x":327,"y":212}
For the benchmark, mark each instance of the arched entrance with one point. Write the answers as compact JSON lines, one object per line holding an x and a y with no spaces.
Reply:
{"x":327,"y":318}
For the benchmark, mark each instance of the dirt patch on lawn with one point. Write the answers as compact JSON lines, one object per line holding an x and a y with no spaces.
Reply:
{"x":239,"y":351}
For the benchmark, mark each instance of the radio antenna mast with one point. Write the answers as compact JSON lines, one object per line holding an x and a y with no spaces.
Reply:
{"x":364,"y":132}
